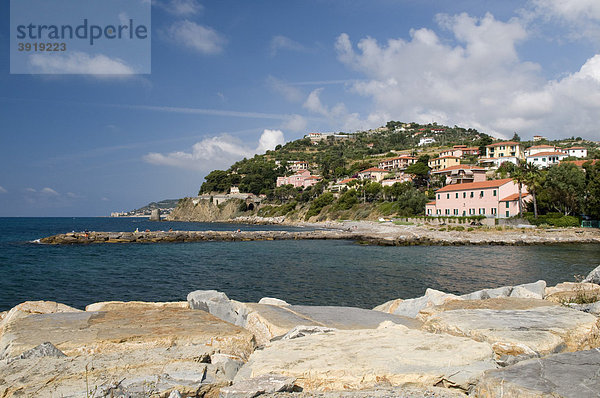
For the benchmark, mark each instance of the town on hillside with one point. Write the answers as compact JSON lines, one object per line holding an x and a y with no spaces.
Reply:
{"x":410,"y":169}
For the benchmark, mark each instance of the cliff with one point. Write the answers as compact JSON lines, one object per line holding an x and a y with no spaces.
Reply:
{"x":194,"y":209}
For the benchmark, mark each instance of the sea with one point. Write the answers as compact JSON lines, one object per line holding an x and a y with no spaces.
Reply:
{"x":341,"y":273}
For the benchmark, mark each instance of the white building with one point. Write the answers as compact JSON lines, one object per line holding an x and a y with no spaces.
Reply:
{"x":426,"y":141}
{"x":546,"y":159}
{"x":532,"y":150}
{"x":576,"y":151}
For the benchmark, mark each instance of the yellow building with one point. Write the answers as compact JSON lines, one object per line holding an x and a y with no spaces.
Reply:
{"x":443,"y":162}
{"x":504,"y":149}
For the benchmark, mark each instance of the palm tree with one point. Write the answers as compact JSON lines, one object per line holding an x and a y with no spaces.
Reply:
{"x":533,"y":180}
{"x":519,"y":175}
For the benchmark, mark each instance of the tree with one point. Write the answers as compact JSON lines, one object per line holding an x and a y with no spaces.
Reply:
{"x":420,"y":170}
{"x":516,"y":137}
{"x":565,"y":185}
{"x":519,"y":175}
{"x":533,"y":179}
{"x":592,"y":189}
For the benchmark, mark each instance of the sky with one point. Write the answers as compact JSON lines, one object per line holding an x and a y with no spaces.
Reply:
{"x":233,"y":78}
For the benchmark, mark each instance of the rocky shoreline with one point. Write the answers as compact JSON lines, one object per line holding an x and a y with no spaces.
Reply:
{"x":528,"y":340}
{"x":384,"y":234}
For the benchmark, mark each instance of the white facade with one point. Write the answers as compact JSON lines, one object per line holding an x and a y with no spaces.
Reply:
{"x":546,"y":159}
{"x":578,"y":152}
{"x":426,"y":141}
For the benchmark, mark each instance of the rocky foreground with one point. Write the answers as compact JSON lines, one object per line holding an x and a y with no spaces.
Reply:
{"x":386,"y":234}
{"x":514,"y":341}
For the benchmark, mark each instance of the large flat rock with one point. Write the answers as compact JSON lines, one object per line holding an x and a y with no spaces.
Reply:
{"x":568,"y":375}
{"x":391,"y":355}
{"x":120,"y":331}
{"x":517,"y":327}
{"x":137,"y":352}
{"x":269,"y":321}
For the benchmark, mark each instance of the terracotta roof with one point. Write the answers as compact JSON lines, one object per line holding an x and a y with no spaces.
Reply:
{"x":431,"y":203}
{"x":574,"y":147}
{"x":313,"y":178}
{"x":547,"y":154}
{"x":475,"y":185}
{"x":541,"y":146}
{"x":579,"y":163}
{"x":398,"y":157}
{"x":473,"y":148}
{"x":347,"y":180}
{"x":373,"y":169}
{"x":514,"y":196}
{"x":459,"y":167}
{"x":504,"y":143}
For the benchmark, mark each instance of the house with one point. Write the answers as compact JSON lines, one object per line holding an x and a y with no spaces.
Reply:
{"x":452,"y":152}
{"x":495,"y":198}
{"x":546,"y":159}
{"x":338,"y":186}
{"x":374,"y":173}
{"x":461,"y":174}
{"x":503,"y":149}
{"x":294,"y":165}
{"x":426,"y":141}
{"x":576,"y":151}
{"x":473,"y":151}
{"x":538,"y":138}
{"x":301,"y":179}
{"x":400,"y":162}
{"x":401,"y":178}
{"x":532,"y":150}
{"x":443,"y":162}
{"x":438,"y":131}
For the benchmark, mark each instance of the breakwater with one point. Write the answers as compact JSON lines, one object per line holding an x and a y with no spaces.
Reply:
{"x":374,"y":236}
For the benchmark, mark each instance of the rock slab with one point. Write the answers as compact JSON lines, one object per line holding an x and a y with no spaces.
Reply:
{"x":568,"y":375}
{"x":256,"y":386}
{"x":392,"y":355}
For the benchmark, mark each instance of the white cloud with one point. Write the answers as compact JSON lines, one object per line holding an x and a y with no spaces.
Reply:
{"x":202,"y":39}
{"x":2,"y":189}
{"x":479,"y":81}
{"x":182,"y":8}
{"x":280,"y":42}
{"x":580,"y":17}
{"x":215,"y":152}
{"x":295,"y":123}
{"x":49,"y":191}
{"x":78,"y":63}
{"x":289,"y":92}
{"x":30,"y":190}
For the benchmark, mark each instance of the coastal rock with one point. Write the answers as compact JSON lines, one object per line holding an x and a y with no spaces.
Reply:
{"x":257,"y":386}
{"x":593,"y":276}
{"x":361,"y":359}
{"x":272,"y":301}
{"x":28,"y":308}
{"x":122,"y":331}
{"x":42,"y":350}
{"x":568,"y":292}
{"x":134,"y":305}
{"x":267,"y":321}
{"x":411,"y":307}
{"x":592,"y":308}
{"x":303,"y":330}
{"x":128,"y":353}
{"x":528,"y":290}
{"x":542,"y":329}
{"x":568,"y":375}
{"x":380,"y":392}
{"x":219,"y":305}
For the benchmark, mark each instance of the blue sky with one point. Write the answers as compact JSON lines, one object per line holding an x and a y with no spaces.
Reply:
{"x":234,"y":78}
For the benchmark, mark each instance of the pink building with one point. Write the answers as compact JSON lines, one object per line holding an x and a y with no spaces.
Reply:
{"x":462,"y":173}
{"x":496,"y":198}
{"x":301,"y":179}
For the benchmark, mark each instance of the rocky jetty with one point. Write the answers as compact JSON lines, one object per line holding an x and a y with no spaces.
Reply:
{"x":512,"y":341}
{"x":362,"y":232}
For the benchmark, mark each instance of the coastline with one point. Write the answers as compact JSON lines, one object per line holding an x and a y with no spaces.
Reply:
{"x":364,"y":232}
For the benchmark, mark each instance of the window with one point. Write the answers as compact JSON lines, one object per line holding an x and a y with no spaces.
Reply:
{"x":507,"y":204}
{"x":481,"y":194}
{"x":481,"y":211}
{"x":464,"y":213}
{"x":439,"y":196}
{"x":471,"y":193}
{"x":447,"y":196}
{"x":495,"y":193}
{"x":456,"y":212}
{"x":464,"y":195}
{"x":507,"y":213}
{"x":457,"y":195}
{"x":493,"y":210}
{"x":447,"y":212}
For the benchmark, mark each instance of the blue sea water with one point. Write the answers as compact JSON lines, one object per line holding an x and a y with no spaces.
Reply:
{"x":300,"y":272}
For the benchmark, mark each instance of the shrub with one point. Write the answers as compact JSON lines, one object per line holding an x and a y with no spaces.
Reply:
{"x":318,"y":204}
